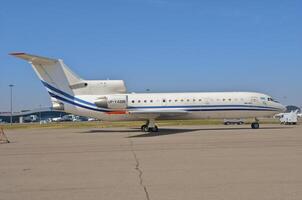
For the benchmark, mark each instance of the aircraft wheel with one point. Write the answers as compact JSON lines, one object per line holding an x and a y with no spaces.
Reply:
{"x":146,"y":129}
{"x":143,"y":127}
{"x":255,"y":125}
{"x":150,"y":129}
{"x":154,"y":129}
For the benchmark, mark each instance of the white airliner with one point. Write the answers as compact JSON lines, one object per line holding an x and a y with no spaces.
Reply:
{"x":108,"y":99}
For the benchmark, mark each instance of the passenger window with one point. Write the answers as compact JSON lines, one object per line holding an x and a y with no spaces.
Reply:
{"x":139,"y":101}
{"x":133,"y":101}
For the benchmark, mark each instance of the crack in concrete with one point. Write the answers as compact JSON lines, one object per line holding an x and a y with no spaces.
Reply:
{"x":140,"y":171}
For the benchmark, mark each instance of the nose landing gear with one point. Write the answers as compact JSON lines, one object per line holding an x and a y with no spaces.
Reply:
{"x":255,"y":125}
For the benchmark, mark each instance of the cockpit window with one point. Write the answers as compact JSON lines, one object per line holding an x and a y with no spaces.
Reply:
{"x":271,"y":99}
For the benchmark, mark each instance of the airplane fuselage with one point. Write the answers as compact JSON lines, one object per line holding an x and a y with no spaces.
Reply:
{"x":139,"y":106}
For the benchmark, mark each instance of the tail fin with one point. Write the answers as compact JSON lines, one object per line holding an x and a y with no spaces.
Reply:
{"x":58,"y":78}
{"x":52,"y":72}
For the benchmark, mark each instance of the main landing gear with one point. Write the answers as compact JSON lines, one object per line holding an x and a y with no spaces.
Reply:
{"x":255,"y":125}
{"x":149,"y":126}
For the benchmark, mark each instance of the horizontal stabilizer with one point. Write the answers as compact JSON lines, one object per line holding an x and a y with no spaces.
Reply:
{"x":52,"y":72}
{"x":34,"y":59}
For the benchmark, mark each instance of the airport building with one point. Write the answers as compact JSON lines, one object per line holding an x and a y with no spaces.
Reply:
{"x":31,"y":115}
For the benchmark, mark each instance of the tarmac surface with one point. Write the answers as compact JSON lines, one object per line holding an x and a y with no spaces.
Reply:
{"x":188,"y":162}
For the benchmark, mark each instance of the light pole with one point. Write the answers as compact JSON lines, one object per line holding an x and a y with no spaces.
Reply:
{"x":11,"y":103}
{"x":40,"y":114}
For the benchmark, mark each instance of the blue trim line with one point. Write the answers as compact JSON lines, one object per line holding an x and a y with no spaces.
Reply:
{"x":204,"y":106}
{"x":231,"y":109}
{"x":74,"y":103}
{"x":67,"y":95}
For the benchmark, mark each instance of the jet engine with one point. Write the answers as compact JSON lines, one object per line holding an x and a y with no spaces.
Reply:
{"x":56,"y":105}
{"x":112,"y":102}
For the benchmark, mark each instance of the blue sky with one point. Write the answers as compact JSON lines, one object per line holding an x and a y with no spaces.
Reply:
{"x":162,"y":45}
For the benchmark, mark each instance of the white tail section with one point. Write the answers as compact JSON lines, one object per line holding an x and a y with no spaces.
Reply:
{"x":52,"y":71}
{"x":55,"y":75}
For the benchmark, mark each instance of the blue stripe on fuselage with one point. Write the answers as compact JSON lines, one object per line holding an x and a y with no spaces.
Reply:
{"x":74,"y":103}
{"x":67,"y":95}
{"x":203,"y":106}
